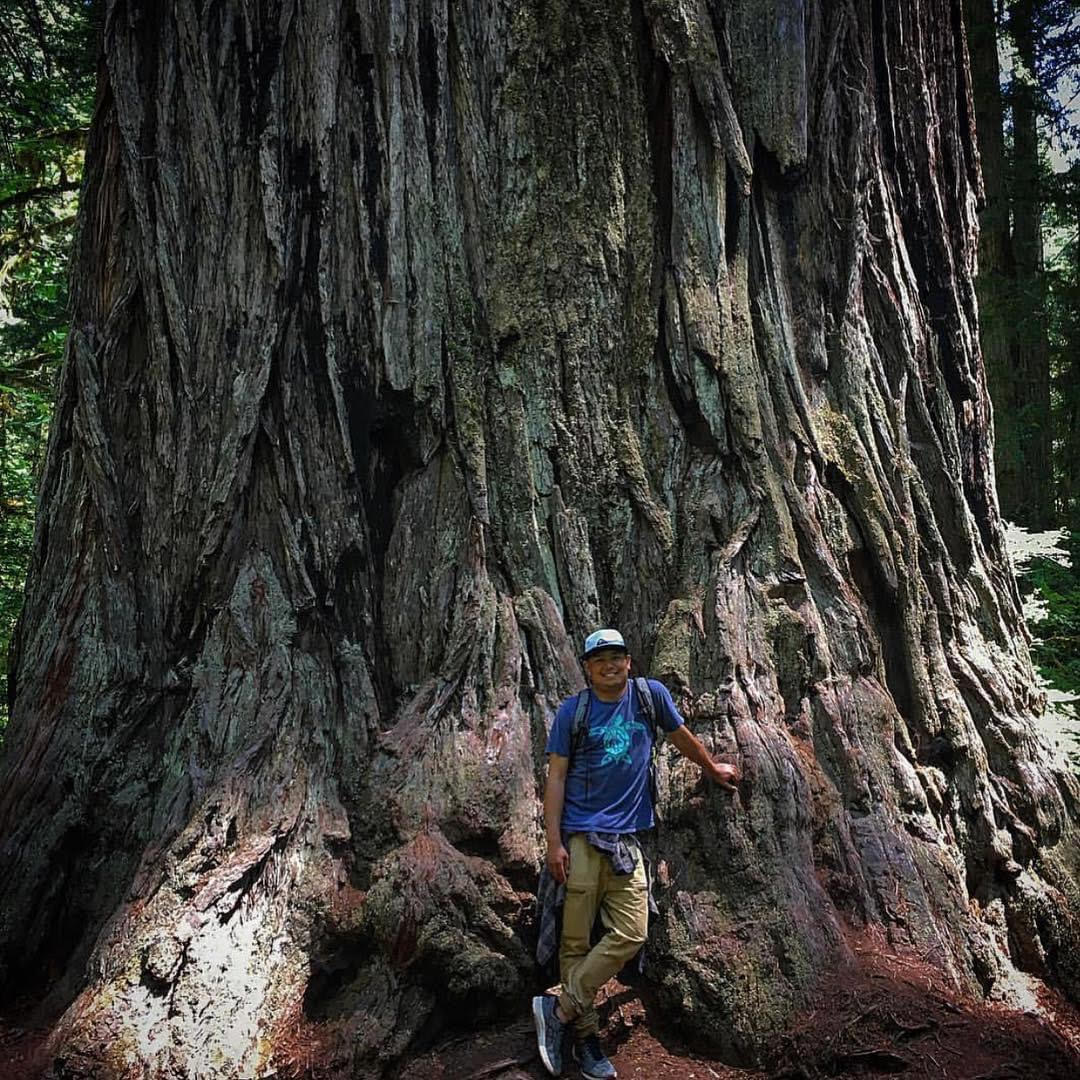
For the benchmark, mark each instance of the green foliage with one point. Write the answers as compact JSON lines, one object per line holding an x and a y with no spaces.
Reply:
{"x":47,"y":54}
{"x":24,"y":418}
{"x":46,"y":95}
{"x":1056,"y":650}
{"x":1054,"y":27}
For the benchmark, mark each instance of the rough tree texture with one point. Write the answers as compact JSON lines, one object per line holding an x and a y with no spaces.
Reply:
{"x":410,"y":343}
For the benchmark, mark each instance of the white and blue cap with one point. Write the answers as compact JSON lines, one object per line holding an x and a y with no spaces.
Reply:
{"x":603,"y":639}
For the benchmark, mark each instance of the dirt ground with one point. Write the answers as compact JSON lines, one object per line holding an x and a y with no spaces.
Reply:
{"x":893,"y":1017}
{"x":897,"y":1022}
{"x":20,"y":1051}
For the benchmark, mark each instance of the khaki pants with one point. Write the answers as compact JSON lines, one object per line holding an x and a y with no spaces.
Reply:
{"x":623,"y":903}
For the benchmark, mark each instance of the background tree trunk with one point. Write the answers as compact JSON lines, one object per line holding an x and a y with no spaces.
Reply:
{"x":996,"y":280}
{"x":410,"y":343}
{"x":1010,"y":284}
{"x":1067,"y":428}
{"x":1032,"y":499}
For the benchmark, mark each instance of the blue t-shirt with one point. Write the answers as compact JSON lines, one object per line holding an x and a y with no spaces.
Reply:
{"x":607,"y":783}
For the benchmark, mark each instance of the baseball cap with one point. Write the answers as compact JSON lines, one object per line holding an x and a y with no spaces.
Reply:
{"x":603,"y":639}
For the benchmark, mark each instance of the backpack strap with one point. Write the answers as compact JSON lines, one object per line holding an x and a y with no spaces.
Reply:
{"x":647,"y":704}
{"x":580,"y":726}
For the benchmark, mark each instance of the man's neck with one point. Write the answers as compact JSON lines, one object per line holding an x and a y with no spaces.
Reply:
{"x":607,"y":696}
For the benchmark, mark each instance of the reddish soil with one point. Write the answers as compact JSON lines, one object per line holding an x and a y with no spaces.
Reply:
{"x":20,"y":1050}
{"x":893,"y":1017}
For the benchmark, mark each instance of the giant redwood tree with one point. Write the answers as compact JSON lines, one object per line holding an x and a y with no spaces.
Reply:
{"x":411,"y":341}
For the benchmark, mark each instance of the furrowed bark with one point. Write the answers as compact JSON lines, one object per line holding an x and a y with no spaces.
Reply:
{"x":409,"y":345}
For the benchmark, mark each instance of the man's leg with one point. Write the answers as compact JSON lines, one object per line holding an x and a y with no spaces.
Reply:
{"x":579,"y":912}
{"x":624,"y":911}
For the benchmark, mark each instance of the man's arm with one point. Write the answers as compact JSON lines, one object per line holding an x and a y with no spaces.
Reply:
{"x":558,"y":858}
{"x":690,"y":746}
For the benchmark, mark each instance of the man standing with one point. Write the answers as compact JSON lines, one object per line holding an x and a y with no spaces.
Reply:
{"x":597,"y":798}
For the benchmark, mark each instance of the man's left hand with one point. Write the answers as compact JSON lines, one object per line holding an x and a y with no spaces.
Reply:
{"x":727,"y":776}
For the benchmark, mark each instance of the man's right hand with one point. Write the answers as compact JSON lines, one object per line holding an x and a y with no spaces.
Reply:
{"x":558,"y":863}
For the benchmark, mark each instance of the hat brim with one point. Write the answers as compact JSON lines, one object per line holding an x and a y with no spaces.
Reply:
{"x":605,"y":648}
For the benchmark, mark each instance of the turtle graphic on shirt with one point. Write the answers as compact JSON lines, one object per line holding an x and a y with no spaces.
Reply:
{"x":618,"y":738}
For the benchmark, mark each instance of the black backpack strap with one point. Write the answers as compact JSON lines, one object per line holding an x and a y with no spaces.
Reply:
{"x":580,"y":726}
{"x":646,"y":702}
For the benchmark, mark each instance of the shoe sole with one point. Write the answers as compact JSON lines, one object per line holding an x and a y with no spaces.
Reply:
{"x":541,"y":1035}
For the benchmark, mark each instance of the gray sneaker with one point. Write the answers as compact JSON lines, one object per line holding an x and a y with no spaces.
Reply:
{"x":594,"y":1064}
{"x":549,"y":1033}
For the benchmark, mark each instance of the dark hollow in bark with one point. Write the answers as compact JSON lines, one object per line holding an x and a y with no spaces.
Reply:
{"x":411,"y":342}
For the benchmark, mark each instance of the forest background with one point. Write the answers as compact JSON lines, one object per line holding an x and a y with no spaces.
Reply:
{"x":1026,"y":86}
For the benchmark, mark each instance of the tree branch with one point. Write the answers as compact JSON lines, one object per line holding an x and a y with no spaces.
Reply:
{"x":20,"y":198}
{"x":33,"y":373}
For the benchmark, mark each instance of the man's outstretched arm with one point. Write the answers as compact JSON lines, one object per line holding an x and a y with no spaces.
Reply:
{"x":558,"y":858}
{"x":690,"y":746}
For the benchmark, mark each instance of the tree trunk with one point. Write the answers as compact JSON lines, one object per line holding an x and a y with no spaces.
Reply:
{"x":1010,"y":284}
{"x":1028,"y":494}
{"x":1067,"y":376}
{"x":411,"y":343}
{"x":996,"y":280}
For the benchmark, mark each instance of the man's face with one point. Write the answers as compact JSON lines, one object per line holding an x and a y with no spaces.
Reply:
{"x":608,"y":670}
